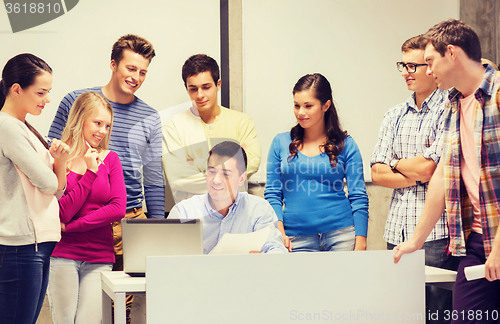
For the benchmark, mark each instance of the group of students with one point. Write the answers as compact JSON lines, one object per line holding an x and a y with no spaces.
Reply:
{"x":62,"y":203}
{"x":58,"y":201}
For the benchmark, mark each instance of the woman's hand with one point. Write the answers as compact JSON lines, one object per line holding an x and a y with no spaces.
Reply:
{"x":91,"y":158}
{"x":286,"y":240}
{"x":59,"y":150}
{"x":360,"y":244}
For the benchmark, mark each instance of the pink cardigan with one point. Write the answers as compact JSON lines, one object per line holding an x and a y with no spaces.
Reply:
{"x":90,"y":204}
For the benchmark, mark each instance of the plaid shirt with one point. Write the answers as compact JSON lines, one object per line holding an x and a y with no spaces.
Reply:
{"x":405,"y":133}
{"x":487,"y":141}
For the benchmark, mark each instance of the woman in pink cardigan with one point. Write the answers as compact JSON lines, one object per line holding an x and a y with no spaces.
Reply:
{"x":95,"y":197}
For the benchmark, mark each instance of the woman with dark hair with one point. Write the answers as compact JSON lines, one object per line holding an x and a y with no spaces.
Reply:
{"x":31,"y":174}
{"x":306,"y":171}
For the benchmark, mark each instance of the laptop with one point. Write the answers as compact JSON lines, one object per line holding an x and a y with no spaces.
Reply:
{"x":158,"y":237}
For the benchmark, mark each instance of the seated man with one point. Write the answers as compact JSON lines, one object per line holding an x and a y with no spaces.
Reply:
{"x":224,"y":209}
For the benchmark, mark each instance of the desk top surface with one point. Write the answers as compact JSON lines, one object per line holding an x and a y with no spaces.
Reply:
{"x":119,"y":281}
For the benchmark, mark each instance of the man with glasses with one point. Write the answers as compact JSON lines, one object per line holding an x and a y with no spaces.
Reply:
{"x":405,"y":157}
{"x":467,"y":179}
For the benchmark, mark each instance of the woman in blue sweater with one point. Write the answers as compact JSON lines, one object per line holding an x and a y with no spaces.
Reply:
{"x":306,"y":171}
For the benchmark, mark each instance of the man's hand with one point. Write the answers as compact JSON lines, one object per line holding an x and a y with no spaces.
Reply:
{"x":492,"y":266}
{"x":403,"y":248}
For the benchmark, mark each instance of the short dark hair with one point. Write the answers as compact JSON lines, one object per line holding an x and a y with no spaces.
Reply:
{"x":134,"y":43}
{"x":414,"y":43}
{"x":231,"y":150}
{"x":454,"y":32}
{"x":200,"y":63}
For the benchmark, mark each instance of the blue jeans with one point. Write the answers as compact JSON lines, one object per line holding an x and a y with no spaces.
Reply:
{"x":342,"y":239}
{"x":437,"y":300}
{"x":24,"y":274}
{"x":75,"y":293}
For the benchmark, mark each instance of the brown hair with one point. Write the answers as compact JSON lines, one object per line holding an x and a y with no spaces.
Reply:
{"x":200,"y":63}
{"x":322,"y":91}
{"x":454,"y":32}
{"x":414,"y":43}
{"x":23,"y":70}
{"x":134,"y":43}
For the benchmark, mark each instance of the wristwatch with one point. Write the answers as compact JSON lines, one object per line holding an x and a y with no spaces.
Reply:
{"x":394,"y":164}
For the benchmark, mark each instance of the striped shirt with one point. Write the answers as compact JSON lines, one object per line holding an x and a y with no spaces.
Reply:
{"x":487,"y":143}
{"x":407,"y":132}
{"x":136,"y":138}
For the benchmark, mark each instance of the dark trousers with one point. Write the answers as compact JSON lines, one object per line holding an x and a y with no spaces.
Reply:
{"x":24,"y":276}
{"x":438,"y":301}
{"x":476,"y":301}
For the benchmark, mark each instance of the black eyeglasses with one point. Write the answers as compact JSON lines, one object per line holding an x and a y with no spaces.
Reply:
{"x":410,"y":67}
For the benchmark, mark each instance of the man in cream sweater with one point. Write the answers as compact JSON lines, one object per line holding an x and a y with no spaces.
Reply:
{"x":189,"y":135}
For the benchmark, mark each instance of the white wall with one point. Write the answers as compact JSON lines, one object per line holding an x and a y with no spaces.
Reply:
{"x":78,"y":44}
{"x":355,"y":44}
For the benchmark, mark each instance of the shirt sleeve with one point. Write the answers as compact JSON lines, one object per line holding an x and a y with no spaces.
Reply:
{"x":274,"y":242}
{"x":180,"y":174}
{"x":17,"y":147}
{"x":71,"y":202}
{"x":273,"y":192}
{"x":383,"y":152}
{"x":154,"y":187}
{"x":61,"y":117}
{"x":113,"y":211}
{"x":434,"y":151}
{"x":248,"y":139}
{"x":356,"y":188}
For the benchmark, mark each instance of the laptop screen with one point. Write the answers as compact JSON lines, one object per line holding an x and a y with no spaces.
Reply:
{"x":158,"y":237}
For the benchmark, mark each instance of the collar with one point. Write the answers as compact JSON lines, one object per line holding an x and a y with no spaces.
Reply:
{"x":411,"y":102}
{"x":215,"y":213}
{"x":485,"y":89}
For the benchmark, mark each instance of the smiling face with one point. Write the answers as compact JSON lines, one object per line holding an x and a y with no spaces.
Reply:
{"x":420,"y":81}
{"x":439,"y":67}
{"x":96,"y":127}
{"x":34,"y":97}
{"x":203,"y":91}
{"x":223,"y":180}
{"x":128,"y":75}
{"x":308,"y":110}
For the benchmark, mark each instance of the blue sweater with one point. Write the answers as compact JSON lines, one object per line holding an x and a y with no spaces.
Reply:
{"x":136,"y":138}
{"x":313,"y":192}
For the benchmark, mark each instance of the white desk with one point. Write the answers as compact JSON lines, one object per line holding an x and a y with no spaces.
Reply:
{"x":440,"y":278}
{"x":116,"y":285}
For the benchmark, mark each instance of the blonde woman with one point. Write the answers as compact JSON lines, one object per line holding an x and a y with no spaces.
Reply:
{"x":94,"y":198}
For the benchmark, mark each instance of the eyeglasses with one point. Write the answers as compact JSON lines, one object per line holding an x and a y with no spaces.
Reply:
{"x":410,"y":67}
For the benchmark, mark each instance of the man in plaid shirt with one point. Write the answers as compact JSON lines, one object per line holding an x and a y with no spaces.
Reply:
{"x":467,"y":179}
{"x":407,"y":152}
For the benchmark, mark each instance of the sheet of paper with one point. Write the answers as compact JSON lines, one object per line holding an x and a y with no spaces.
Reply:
{"x":241,"y":243}
{"x":474,"y":272}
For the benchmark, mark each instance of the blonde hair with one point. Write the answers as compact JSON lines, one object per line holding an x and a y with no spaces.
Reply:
{"x":86,"y":105}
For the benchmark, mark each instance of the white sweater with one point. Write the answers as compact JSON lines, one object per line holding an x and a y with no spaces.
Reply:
{"x":29,"y":211}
